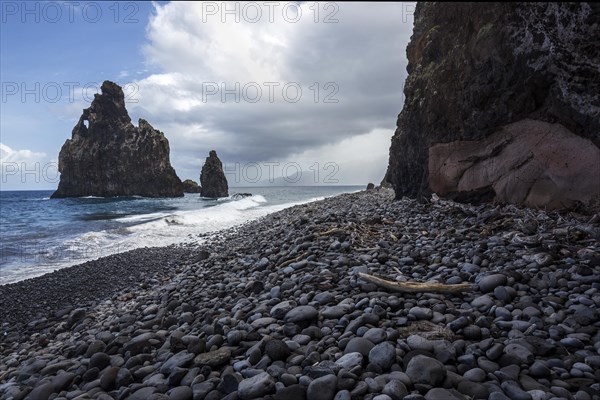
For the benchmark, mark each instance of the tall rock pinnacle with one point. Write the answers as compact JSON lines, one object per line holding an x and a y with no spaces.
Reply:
{"x":108,"y":156}
{"x":212,"y":179}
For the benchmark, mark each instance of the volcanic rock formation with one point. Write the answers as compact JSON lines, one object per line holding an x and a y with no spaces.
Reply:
{"x":502,"y":103}
{"x":212,"y":178}
{"x":190,"y":186}
{"x":108,"y":156}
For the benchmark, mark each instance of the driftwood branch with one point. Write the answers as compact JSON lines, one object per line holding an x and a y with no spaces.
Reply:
{"x":332,"y":231}
{"x":415,"y":287}
{"x":367,"y":248}
{"x":293,"y":260}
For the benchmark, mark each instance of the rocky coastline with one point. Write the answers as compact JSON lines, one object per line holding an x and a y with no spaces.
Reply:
{"x":275,"y":308}
{"x":501,"y":103}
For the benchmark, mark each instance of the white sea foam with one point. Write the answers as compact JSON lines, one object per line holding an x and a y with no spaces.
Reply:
{"x":148,"y":230}
{"x":143,"y":217}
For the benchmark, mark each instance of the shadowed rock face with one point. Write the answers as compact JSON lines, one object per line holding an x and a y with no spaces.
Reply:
{"x":108,"y":156}
{"x":480,"y":74}
{"x":212,"y":178}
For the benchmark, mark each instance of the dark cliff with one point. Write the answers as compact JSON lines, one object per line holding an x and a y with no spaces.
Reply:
{"x":502,"y":102}
{"x":108,"y":156}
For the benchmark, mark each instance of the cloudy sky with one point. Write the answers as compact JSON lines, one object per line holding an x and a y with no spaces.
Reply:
{"x":274,"y":87}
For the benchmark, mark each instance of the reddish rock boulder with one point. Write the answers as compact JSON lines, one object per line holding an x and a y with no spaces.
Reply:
{"x":530,"y":162}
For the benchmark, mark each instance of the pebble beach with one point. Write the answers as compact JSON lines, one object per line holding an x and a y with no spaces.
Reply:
{"x":278,"y":308}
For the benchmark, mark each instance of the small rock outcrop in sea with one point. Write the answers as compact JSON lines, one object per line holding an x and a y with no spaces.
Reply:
{"x":370,"y":186}
{"x":212,"y":179}
{"x":239,"y":196}
{"x":107,"y":156}
{"x":190,"y":186}
{"x":502,"y":103}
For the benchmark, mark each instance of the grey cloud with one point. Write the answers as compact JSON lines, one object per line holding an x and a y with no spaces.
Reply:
{"x":364,"y":54}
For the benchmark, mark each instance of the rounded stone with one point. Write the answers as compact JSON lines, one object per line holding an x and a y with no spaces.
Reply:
{"x":421,"y":313}
{"x":375,"y":335}
{"x":514,"y":391}
{"x":539,"y":370}
{"x":427,"y":370}
{"x":294,"y":392}
{"x":256,"y":386}
{"x":41,"y":392}
{"x":108,"y":378}
{"x":476,"y":391}
{"x":277,"y":350}
{"x":323,"y":388}
{"x":350,"y":360}
{"x":281,"y":309}
{"x":288,"y":379}
{"x":442,"y":394}
{"x":395,"y":389}
{"x":416,"y":342}
{"x":323,"y":298}
{"x":342,"y":395}
{"x":234,"y":337}
{"x":144,"y":393}
{"x":99,"y":360}
{"x":383,"y":355}
{"x":180,"y":393}
{"x":475,"y":375}
{"x":489,"y":283}
{"x":301,"y":315}
{"x":360,"y":345}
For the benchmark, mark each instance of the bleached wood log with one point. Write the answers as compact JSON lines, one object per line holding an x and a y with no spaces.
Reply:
{"x":415,"y":287}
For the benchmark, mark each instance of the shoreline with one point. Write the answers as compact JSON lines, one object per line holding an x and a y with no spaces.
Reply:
{"x":27,"y":291}
{"x":16,"y":273}
{"x":275,"y":308}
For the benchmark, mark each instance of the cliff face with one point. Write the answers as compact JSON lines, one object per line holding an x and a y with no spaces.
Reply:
{"x":520,"y":80}
{"x":108,"y":156}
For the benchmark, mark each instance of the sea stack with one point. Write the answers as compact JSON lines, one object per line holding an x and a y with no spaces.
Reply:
{"x":108,"y":156}
{"x":212,"y":178}
{"x":501,"y":104}
{"x":190,"y":186}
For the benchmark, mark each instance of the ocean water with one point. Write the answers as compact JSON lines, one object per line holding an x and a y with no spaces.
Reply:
{"x":40,"y":235}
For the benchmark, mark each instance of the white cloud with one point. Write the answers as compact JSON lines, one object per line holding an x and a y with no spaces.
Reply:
{"x":7,"y":155}
{"x":362,"y":56}
{"x":355,"y":160}
{"x":212,"y":50}
{"x":26,"y":169}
